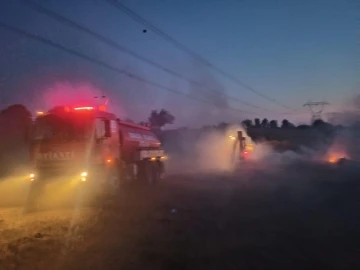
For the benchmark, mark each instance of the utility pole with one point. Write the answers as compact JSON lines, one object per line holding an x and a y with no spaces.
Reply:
{"x":316,"y":109}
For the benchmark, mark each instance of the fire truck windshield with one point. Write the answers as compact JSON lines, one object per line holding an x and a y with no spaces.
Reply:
{"x":56,"y":128}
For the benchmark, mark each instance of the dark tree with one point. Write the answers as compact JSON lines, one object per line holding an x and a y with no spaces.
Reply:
{"x":159,"y":119}
{"x":257,"y":122}
{"x":247,"y":123}
{"x":303,"y":127}
{"x":286,"y":124}
{"x":273,"y":124}
{"x":17,"y":110}
{"x":318,"y":123}
{"x":19,"y":114}
{"x":324,"y":127}
{"x":265,"y":123}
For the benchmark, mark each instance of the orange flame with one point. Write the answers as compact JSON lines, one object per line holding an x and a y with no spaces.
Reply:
{"x":335,"y":157}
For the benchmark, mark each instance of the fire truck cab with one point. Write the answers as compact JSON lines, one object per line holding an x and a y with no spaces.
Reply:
{"x":92,"y":145}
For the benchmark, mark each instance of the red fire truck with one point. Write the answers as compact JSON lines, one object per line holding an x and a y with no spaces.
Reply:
{"x":92,"y":145}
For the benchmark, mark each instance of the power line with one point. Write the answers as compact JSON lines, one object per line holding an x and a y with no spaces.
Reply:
{"x":41,"y":9}
{"x":190,"y":52}
{"x":101,"y":63}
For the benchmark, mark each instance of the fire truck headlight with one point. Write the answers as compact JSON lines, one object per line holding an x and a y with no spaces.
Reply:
{"x":83,"y":176}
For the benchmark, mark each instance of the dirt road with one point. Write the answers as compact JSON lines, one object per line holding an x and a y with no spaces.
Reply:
{"x":294,"y":218}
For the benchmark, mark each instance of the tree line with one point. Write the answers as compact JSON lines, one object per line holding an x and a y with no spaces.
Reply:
{"x":265,"y":123}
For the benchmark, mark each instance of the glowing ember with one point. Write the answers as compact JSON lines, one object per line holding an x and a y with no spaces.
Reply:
{"x":333,"y":158}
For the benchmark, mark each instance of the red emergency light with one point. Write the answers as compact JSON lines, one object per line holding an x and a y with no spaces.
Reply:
{"x":245,"y":154}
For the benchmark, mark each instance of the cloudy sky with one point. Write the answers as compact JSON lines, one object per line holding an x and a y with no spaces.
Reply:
{"x":291,"y":51}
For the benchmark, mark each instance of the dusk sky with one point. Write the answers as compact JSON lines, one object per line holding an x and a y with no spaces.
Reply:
{"x":292,"y":51}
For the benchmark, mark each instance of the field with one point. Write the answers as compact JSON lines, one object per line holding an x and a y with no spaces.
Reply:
{"x":297,"y":216}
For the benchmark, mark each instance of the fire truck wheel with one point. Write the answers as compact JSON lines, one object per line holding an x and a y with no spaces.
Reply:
{"x":145,"y":172}
{"x":150,"y":172}
{"x":157,"y":171}
{"x":162,"y":170}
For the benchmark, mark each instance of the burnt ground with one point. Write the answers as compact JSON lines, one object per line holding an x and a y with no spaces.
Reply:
{"x":299,"y":217}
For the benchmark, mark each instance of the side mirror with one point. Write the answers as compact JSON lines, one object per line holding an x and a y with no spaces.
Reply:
{"x":107,"y":129}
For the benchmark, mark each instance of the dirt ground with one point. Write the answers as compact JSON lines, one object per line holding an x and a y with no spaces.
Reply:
{"x":298,"y":217}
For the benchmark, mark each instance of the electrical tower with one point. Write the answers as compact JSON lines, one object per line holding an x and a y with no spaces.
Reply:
{"x":316,"y":109}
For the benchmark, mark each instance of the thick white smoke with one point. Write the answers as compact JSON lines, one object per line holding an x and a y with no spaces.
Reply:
{"x":199,"y":151}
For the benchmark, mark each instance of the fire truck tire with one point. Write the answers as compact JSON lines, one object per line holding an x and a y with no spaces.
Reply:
{"x":157,"y":171}
{"x":150,"y":172}
{"x":144,"y":171}
{"x":162,"y":170}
